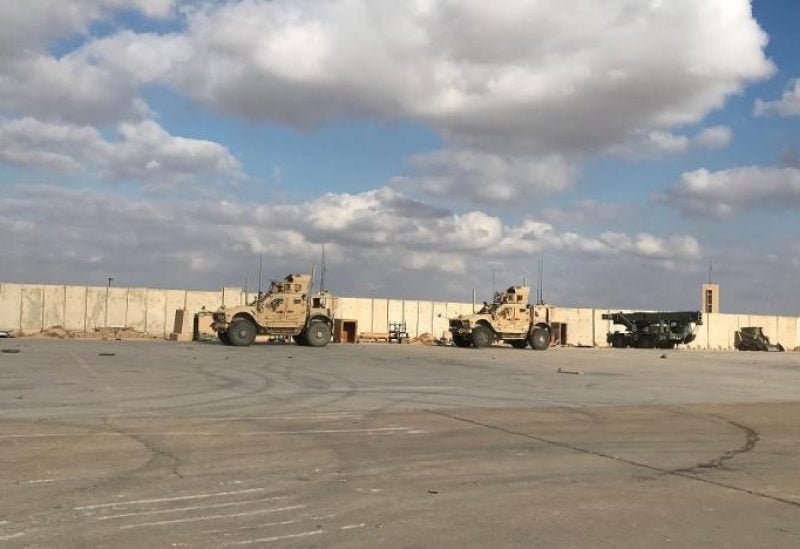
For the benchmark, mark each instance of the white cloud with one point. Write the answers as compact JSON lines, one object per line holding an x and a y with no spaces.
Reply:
{"x":659,"y":143}
{"x":487,"y":178}
{"x":715,"y":137}
{"x":725,"y":193}
{"x":378,"y":232}
{"x":590,"y":212}
{"x":33,"y":82}
{"x":531,"y":77}
{"x":144,"y":152}
{"x":787,"y":105}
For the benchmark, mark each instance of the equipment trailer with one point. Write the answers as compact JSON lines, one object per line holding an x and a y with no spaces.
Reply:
{"x":662,"y":330}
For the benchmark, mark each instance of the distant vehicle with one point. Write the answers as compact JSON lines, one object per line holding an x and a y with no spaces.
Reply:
{"x":663,"y":330}
{"x":286,"y":310}
{"x":753,"y":338}
{"x":508,"y":318}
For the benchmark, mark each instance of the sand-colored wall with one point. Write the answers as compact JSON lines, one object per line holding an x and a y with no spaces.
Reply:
{"x":31,"y":308}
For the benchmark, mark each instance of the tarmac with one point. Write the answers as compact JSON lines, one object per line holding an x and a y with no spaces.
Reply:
{"x":156,"y":444}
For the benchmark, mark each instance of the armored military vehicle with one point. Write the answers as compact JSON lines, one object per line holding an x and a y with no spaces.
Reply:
{"x":753,"y":338}
{"x":649,"y":330}
{"x":509,"y":318}
{"x":287,"y":309}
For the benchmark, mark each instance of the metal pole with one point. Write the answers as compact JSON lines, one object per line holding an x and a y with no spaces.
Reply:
{"x":322,"y":273}
{"x":260,"y":265}
{"x":108,"y":290}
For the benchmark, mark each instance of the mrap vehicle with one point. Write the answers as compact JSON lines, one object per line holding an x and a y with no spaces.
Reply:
{"x":509,"y":318}
{"x":286,"y":309}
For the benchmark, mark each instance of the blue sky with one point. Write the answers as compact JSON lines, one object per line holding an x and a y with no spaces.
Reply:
{"x":428,"y":145}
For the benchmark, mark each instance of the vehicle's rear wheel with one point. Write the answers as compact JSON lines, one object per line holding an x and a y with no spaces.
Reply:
{"x":646,"y":341}
{"x":242,"y":332}
{"x":518,"y":343}
{"x":318,"y":334}
{"x":539,"y":338}
{"x":482,"y":336}
{"x":223,"y":338}
{"x":461,"y":341}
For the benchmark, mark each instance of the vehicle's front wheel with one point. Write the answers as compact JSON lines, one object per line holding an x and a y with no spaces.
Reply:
{"x":618,"y":340}
{"x":461,"y":341}
{"x":223,"y":338}
{"x":482,"y":336}
{"x":539,"y":339}
{"x":318,"y":334}
{"x":300,"y":339}
{"x":242,"y":332}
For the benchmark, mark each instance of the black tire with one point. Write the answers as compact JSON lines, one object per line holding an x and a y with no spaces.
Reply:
{"x":646,"y":341}
{"x":318,"y":334}
{"x":242,"y":332}
{"x":518,"y":343}
{"x":300,"y":339}
{"x":461,"y":341}
{"x":223,"y":338}
{"x":482,"y":336}
{"x":618,"y":341}
{"x":539,"y":339}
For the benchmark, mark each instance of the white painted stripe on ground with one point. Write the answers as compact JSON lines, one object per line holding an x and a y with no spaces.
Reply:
{"x":161,"y":500}
{"x":12,"y":536}
{"x":40,"y":481}
{"x":279,"y":538}
{"x":195,"y":508}
{"x":265,"y":525}
{"x":212,"y":517}
{"x":353,"y":526}
{"x":211,"y":434}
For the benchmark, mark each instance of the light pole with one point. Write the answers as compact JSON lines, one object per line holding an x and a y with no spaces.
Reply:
{"x":108,"y":290}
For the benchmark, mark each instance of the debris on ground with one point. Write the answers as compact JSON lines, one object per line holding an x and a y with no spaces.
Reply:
{"x":6,"y":334}
{"x":56,"y":332}
{"x":107,"y":354}
{"x":425,"y":339}
{"x":575,"y":373}
{"x":10,"y":351}
{"x":433,"y":492}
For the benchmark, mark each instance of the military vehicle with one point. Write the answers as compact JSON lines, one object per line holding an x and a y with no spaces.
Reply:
{"x":286,"y":310}
{"x":753,"y":338}
{"x":509,"y":318}
{"x":663,"y":330}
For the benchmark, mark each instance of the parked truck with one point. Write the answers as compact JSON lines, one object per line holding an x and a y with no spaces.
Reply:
{"x":509,"y":318}
{"x":645,"y":330}
{"x":287,"y":309}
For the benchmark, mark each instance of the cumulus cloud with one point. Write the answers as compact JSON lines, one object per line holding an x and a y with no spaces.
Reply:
{"x":530,"y":77}
{"x":519,"y":95}
{"x":588,"y":212}
{"x":33,"y":82}
{"x":143,"y":152}
{"x":487,"y":178}
{"x":660,"y":143}
{"x":366,"y":232}
{"x":787,"y":105}
{"x":724,"y":193}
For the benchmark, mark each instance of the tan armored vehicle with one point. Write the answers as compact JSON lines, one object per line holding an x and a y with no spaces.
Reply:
{"x":286,"y":309}
{"x":509,"y":318}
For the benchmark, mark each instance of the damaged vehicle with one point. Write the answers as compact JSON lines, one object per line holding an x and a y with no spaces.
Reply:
{"x":753,"y":338}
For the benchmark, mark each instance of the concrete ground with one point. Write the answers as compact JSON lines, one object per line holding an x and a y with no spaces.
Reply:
{"x":155,"y":444}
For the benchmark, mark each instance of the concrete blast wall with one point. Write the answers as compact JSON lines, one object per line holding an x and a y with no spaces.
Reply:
{"x":32,"y":308}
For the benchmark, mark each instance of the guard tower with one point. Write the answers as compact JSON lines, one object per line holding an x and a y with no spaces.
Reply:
{"x":710,"y":298}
